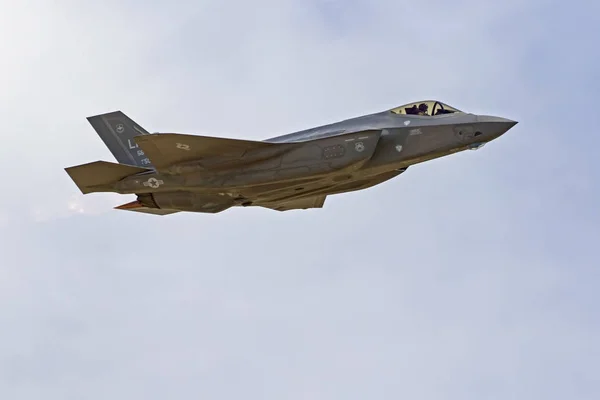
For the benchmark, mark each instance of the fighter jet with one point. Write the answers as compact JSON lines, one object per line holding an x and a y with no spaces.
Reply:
{"x":172,"y":172}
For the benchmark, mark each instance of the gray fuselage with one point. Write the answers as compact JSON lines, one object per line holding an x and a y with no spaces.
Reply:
{"x":178,"y":172}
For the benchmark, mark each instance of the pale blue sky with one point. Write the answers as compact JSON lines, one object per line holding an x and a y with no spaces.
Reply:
{"x":473,"y":276}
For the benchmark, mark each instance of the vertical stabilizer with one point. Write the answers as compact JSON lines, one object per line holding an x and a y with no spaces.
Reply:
{"x":117,"y":131}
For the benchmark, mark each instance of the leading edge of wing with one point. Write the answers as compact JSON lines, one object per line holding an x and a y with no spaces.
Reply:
{"x":167,"y":149}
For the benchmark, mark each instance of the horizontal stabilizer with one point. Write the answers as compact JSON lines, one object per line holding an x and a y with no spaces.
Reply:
{"x":99,"y":176}
{"x":166,"y":149}
{"x":139,"y":207}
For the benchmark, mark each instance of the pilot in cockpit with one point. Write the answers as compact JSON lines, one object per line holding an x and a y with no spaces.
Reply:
{"x":414,"y":110}
{"x":411,"y":110}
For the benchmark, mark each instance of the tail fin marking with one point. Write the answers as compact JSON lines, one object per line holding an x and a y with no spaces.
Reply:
{"x":117,"y":131}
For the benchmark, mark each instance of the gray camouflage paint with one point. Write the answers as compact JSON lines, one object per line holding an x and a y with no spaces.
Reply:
{"x":294,"y":171}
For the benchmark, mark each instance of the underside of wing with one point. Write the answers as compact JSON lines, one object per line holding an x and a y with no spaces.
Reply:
{"x":166,"y":149}
{"x":299,"y":204}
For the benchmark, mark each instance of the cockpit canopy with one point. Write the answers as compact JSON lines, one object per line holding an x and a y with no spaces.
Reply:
{"x":425,"y":108}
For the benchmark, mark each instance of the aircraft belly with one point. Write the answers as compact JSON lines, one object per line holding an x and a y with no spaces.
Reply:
{"x":187,"y":201}
{"x":296,"y":204}
{"x":344,"y":183}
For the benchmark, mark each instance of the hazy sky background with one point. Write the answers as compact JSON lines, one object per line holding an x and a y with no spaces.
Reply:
{"x":470,"y":277}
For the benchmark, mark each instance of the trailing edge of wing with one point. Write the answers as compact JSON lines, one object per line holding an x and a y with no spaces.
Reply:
{"x":166,"y":149}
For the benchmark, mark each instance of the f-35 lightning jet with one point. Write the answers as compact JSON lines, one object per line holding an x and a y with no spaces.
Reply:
{"x":172,"y":172}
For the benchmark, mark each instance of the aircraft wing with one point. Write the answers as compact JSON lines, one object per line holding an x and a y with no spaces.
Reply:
{"x":166,"y":149}
{"x":299,"y":204}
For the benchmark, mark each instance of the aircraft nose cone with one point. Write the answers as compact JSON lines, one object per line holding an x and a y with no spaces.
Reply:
{"x":495,"y":126}
{"x":505,"y":122}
